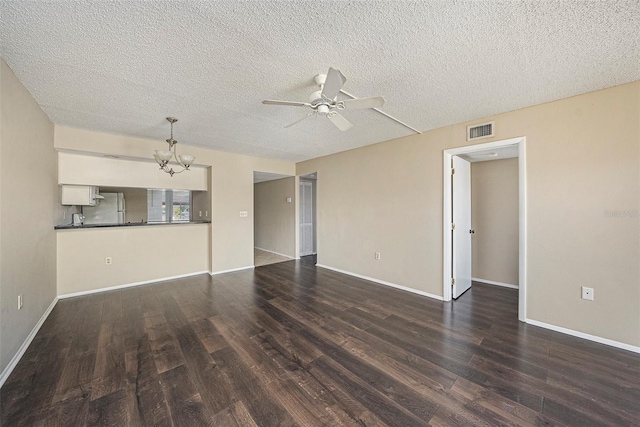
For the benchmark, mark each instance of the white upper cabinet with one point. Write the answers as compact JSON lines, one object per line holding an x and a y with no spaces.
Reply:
{"x":79,"y":195}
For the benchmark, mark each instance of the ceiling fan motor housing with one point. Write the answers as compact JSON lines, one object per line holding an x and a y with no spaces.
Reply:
{"x":323,"y":109}
{"x":316,"y":97}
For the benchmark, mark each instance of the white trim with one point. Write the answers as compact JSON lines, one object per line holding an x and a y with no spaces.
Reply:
{"x":277,"y":253}
{"x":595,"y":338}
{"x":382,"y":282}
{"x":491,"y":282}
{"x":128,"y":285}
{"x":215,"y":273}
{"x":522,"y":214}
{"x":522,"y":230}
{"x":16,"y":358}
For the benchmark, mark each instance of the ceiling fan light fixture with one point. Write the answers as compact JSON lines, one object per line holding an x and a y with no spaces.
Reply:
{"x":324,"y":102}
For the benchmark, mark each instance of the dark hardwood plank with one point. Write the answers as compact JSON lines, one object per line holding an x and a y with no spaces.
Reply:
{"x":150,"y":401}
{"x":234,"y":415}
{"x":112,"y":410}
{"x":89,"y":319}
{"x":77,"y":377}
{"x":292,"y":344}
{"x":109,"y":370}
{"x":184,"y":402}
{"x":165,"y":347}
{"x":257,"y":400}
{"x":387,"y":410}
{"x":34,"y":394}
{"x":204,"y":372}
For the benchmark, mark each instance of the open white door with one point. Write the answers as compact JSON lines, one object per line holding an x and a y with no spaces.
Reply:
{"x":461,"y":233}
{"x":306,"y":218}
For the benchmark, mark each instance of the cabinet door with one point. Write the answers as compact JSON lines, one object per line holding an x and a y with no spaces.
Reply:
{"x":81,"y":195}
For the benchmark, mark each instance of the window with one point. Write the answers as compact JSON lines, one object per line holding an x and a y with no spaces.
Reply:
{"x":168,"y":205}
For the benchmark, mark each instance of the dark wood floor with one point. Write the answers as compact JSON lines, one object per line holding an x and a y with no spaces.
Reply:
{"x":292,"y":344}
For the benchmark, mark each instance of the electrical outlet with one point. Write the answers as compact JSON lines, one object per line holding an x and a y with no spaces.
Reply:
{"x":107,"y":260}
{"x":244,"y":214}
{"x":200,"y":214}
{"x":587,"y":293}
{"x":206,"y":214}
{"x":377,"y":255}
{"x":19,"y":301}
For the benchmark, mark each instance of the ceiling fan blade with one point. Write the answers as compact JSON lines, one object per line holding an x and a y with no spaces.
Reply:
{"x":334,"y":82}
{"x":361,"y":103}
{"x":298,"y":121}
{"x":340,"y":122}
{"x":289,"y":103}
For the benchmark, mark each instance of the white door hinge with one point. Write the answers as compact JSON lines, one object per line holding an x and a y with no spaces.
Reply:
{"x":453,"y":171}
{"x":453,"y":281}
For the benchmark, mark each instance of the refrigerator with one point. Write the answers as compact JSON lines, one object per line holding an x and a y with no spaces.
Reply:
{"x":110,"y":210}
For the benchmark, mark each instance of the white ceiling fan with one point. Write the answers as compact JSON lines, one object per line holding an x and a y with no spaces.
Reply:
{"x":323,"y":102}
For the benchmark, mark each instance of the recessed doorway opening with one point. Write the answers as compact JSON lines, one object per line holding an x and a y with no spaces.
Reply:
{"x":307,"y":217}
{"x":457,"y":256}
{"x":274,"y":205}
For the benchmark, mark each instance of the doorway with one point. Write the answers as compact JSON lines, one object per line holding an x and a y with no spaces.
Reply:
{"x":457,"y":257}
{"x":307,"y":215}
{"x":274,"y":228}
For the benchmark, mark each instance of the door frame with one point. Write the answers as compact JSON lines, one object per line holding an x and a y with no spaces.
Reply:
{"x":313,"y":224}
{"x":522,"y":216}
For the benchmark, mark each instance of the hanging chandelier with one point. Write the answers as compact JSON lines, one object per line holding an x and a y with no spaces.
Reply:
{"x":164,"y":157}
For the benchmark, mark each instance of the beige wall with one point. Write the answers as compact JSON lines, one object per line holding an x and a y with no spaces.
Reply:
{"x":274,"y":219}
{"x":494,"y":217}
{"x":230,"y":185}
{"x":583,"y":161}
{"x":29,"y":208}
{"x":82,"y":169}
{"x":139,"y":254}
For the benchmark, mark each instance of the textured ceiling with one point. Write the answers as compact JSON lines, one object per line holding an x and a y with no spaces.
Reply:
{"x":123,"y":66}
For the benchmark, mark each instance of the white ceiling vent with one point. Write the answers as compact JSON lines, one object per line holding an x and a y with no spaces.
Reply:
{"x":483,"y":130}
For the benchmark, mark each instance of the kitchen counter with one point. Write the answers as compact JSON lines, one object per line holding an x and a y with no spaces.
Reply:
{"x":128,"y":224}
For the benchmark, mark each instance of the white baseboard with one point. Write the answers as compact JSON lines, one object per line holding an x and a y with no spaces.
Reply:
{"x":16,"y":358}
{"x":491,"y":282}
{"x":277,"y":253}
{"x":129,"y":285}
{"x":215,"y":273}
{"x":382,"y":282}
{"x":589,"y":337}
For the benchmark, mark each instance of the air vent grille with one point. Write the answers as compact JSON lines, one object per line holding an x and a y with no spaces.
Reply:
{"x":483,"y":130}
